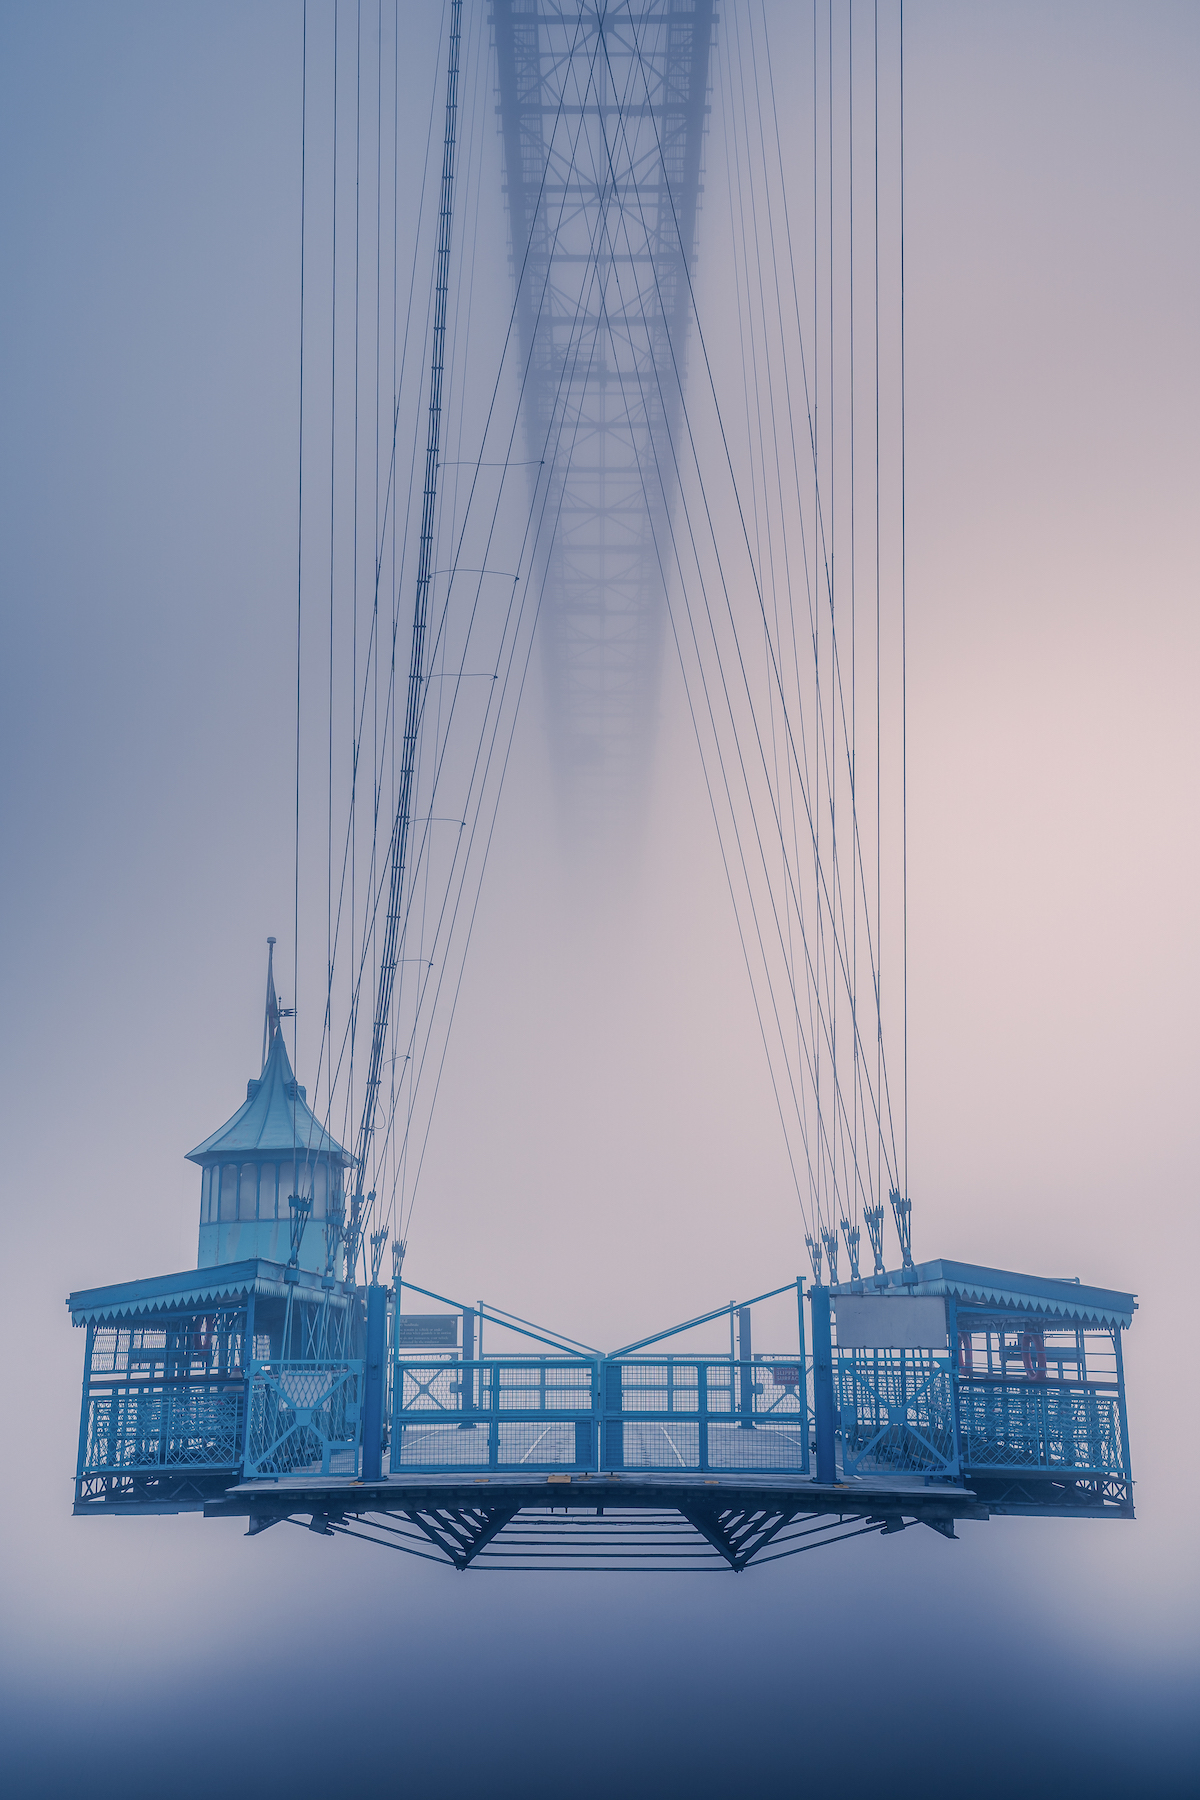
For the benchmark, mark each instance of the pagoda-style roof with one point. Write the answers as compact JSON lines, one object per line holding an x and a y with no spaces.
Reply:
{"x":275,"y":1120}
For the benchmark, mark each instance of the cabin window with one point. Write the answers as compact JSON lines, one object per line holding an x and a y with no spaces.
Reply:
{"x":266,"y":1192}
{"x":248,"y":1191}
{"x":319,"y":1184}
{"x":229,"y":1177}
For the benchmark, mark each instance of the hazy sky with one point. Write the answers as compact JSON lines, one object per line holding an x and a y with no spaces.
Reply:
{"x":607,"y":1156}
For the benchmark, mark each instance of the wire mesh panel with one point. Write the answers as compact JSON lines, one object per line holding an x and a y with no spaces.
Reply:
{"x":143,"y":1430}
{"x":678,"y":1413}
{"x":305,"y":1419}
{"x":529,"y":1413}
{"x":897,"y":1412}
{"x":1040,"y":1425}
{"x":1036,"y":1394}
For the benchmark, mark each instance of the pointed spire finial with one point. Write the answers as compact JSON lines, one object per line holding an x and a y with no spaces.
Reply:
{"x":271,"y":1022}
{"x":274,"y":1012}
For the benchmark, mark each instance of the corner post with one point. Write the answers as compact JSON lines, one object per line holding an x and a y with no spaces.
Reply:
{"x":466,"y":1386}
{"x":823,"y":1407}
{"x":372,"y":1428}
{"x":746,"y":1360}
{"x":803,"y":1384}
{"x":85,"y":1410}
{"x":1121,"y":1413}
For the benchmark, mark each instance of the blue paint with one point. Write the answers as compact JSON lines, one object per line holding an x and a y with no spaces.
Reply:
{"x":823,"y":1397}
{"x":373,"y":1391}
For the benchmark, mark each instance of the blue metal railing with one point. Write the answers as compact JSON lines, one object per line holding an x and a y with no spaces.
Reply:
{"x":304,"y":1418}
{"x":547,"y":1414}
{"x":1019,"y":1426}
{"x":141,"y":1429}
{"x":896,"y":1413}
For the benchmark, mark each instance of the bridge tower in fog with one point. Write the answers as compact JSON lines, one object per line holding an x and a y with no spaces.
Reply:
{"x":603,"y":114}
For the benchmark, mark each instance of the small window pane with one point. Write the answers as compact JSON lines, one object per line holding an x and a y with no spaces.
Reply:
{"x":248,"y":1191}
{"x":229,"y":1176}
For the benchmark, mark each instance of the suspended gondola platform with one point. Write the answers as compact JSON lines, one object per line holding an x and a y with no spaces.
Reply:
{"x":268,"y":1388}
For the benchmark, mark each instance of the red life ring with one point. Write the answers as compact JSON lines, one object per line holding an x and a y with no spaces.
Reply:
{"x":1033,"y":1355}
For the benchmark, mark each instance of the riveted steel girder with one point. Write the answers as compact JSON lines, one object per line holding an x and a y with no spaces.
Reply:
{"x":602,"y":108}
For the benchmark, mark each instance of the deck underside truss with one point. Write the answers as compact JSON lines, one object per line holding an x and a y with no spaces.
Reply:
{"x":607,"y":1523}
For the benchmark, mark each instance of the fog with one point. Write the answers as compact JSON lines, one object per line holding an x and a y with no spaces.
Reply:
{"x":605,"y":1154}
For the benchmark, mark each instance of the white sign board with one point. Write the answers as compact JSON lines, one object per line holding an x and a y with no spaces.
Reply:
{"x":427,"y":1331}
{"x":890,"y":1322}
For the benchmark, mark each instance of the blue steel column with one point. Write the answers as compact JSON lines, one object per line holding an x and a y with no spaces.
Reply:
{"x":746,"y":1375}
{"x":466,"y":1388}
{"x":85,"y":1409}
{"x":823,"y":1408}
{"x":803,"y":1382}
{"x":952,"y":1343}
{"x":372,"y":1429}
{"x":1123,"y":1418}
{"x":247,"y":1359}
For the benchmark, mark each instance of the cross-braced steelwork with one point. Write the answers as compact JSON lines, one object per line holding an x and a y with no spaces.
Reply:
{"x":603,"y":109}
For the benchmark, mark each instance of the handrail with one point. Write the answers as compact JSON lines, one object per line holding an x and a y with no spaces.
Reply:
{"x":717,"y":1313}
{"x":556,"y":1343}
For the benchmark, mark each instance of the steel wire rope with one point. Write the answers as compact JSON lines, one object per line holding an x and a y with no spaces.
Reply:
{"x":745,"y":871}
{"x":486,"y":853}
{"x":800,"y":1112}
{"x":903,"y":612}
{"x":724,"y":585}
{"x":479,"y":464}
{"x":491,"y":409}
{"x":479,"y":589}
{"x":882,"y":1084}
{"x":542,"y":461}
{"x":299,"y":550}
{"x":685,"y":417}
{"x":805,"y":774}
{"x":810,"y":402}
{"x":581,"y":305}
{"x":389,"y":510}
{"x":829,"y":987}
{"x":387,"y":966}
{"x":733,"y":479}
{"x":729,"y":799}
{"x":423,"y":866}
{"x":731,"y":132}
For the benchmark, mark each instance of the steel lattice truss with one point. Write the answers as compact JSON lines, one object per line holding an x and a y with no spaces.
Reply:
{"x":602,"y":108}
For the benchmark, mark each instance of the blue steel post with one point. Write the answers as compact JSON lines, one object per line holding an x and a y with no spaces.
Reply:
{"x":802,"y":1386}
{"x":466,"y":1392}
{"x":818,"y":1301}
{"x":952,"y":1347}
{"x":372,"y":1426}
{"x":746,"y":1374}
{"x":1121,"y":1414}
{"x":85,"y":1411}
{"x":247,"y":1359}
{"x":613,"y":1451}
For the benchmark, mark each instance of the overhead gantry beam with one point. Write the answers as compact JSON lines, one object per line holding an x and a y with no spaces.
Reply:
{"x":602,"y":109}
